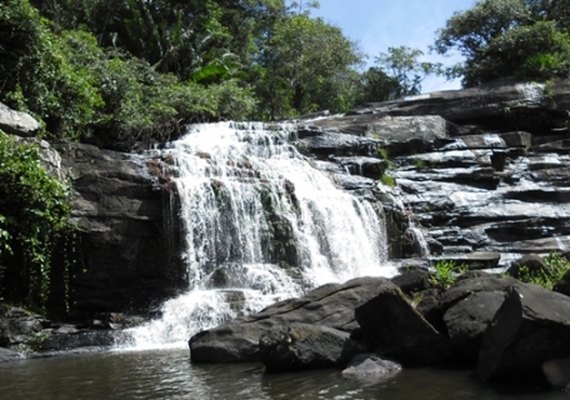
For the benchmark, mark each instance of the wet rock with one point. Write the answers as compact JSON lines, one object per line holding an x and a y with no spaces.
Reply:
{"x":396,"y":330}
{"x":18,"y":325}
{"x":369,"y":167}
{"x":127,"y":241}
{"x":60,"y":341}
{"x":9,"y":355}
{"x":530,"y":328}
{"x":467,"y":320}
{"x":16,"y":122}
{"x":304,"y":346}
{"x":477,"y":260}
{"x":331,"y":305}
{"x":370,"y":369}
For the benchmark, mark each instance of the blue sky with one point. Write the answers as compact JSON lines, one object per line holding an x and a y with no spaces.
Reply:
{"x":376,"y":25}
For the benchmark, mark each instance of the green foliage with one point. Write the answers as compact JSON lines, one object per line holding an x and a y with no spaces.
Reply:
{"x":445,"y":273}
{"x":388,"y":180}
{"x":420,"y":164}
{"x":524,"y":39}
{"x":377,"y":85}
{"x":33,"y":216}
{"x":403,"y":66}
{"x":36,"y":74}
{"x":306,"y":66}
{"x":556,"y":266}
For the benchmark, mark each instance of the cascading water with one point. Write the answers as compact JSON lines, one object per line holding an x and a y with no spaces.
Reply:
{"x":261,"y":224}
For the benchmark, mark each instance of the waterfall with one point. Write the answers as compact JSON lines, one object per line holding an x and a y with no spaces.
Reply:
{"x":261,"y":223}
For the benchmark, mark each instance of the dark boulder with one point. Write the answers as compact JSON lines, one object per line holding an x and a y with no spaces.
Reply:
{"x":396,"y":330}
{"x":331,"y":305}
{"x":304,"y":346}
{"x":413,"y":280}
{"x":467,"y":320}
{"x":531,"y":327}
{"x":370,"y":369}
{"x":563,"y":285}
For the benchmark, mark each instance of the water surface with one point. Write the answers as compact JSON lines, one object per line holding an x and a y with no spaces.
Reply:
{"x":159,"y":375}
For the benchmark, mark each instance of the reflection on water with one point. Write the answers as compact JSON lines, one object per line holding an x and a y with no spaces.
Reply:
{"x":169,"y":375}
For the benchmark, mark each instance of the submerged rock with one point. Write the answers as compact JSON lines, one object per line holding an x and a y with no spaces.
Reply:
{"x":370,"y":369}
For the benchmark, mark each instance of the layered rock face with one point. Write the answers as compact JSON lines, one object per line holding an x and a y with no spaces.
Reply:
{"x":128,"y":241}
{"x":482,"y":174}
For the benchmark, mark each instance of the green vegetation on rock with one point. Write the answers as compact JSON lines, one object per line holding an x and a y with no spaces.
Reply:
{"x":556,"y":266}
{"x":445,"y":273}
{"x":33,"y":219}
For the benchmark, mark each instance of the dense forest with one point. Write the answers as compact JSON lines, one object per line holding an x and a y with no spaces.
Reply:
{"x":117,"y":73}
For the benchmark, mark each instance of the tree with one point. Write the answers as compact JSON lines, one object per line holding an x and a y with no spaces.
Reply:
{"x":378,"y":86}
{"x":525,"y":39}
{"x":402,"y":64}
{"x":306,"y":65}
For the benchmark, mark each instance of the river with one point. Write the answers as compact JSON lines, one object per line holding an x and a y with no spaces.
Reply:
{"x":168,"y":374}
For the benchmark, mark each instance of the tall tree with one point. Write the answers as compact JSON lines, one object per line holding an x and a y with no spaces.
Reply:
{"x":403,"y":65}
{"x":525,"y":39}
{"x":307,"y":65}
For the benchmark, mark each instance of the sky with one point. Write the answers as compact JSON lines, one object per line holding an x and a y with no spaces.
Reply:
{"x":376,"y":25}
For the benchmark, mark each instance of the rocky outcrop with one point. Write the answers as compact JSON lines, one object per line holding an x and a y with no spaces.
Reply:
{"x":483,"y":172}
{"x":124,"y":208}
{"x":16,"y":122}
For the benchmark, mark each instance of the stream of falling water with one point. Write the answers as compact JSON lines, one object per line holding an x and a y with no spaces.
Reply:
{"x":261,"y":224}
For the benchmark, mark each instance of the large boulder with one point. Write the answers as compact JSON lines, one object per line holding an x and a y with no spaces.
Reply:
{"x":16,"y":122}
{"x":331,"y":305}
{"x":304,"y":346}
{"x":531,"y":327}
{"x":395,"y":329}
{"x":467,"y":320}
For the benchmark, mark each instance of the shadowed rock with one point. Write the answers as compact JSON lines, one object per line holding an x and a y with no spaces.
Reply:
{"x":304,"y":346}
{"x":392,"y":326}
{"x":331,"y":305}
{"x":531,"y":327}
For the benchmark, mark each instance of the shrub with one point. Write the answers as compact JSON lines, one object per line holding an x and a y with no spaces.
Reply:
{"x":33,"y":216}
{"x":445,"y":273}
{"x":556,"y":266}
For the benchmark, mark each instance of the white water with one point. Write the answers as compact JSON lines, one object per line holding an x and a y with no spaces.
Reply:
{"x":261,"y":224}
